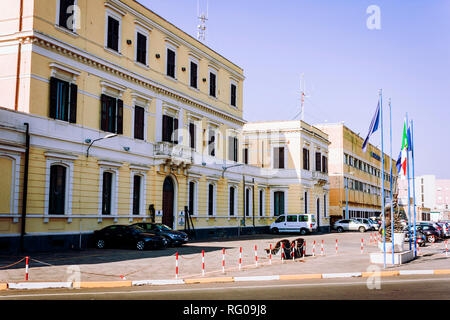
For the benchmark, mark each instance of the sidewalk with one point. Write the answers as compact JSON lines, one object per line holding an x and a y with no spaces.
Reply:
{"x":129,"y":265}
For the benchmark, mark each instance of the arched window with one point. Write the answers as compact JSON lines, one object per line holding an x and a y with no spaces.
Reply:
{"x":57,"y":194}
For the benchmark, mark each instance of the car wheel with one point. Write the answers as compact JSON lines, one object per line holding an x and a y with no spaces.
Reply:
{"x":275,"y":230}
{"x":340,"y":229}
{"x":362,"y":229}
{"x":140,"y":245}
{"x":100,"y":244}
{"x":431,"y":238}
{"x":302,"y":232}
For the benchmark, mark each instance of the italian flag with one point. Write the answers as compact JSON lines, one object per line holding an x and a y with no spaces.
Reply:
{"x":404,"y":158}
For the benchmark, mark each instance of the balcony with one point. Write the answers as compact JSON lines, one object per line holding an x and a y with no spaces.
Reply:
{"x":320,"y":177}
{"x":176,"y":154}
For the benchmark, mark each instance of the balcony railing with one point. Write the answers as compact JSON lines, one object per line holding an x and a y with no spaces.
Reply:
{"x":320,"y":176}
{"x":173,"y":151}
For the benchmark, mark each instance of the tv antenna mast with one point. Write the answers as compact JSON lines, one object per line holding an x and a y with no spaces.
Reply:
{"x":202,"y":17}
{"x":302,"y":96}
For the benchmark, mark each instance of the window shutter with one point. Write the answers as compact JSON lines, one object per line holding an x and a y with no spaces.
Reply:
{"x":192,"y":135}
{"x":318,"y":161}
{"x":281,"y":158}
{"x":235,"y":149}
{"x":174,"y":132}
{"x":103,"y":111}
{"x":119,"y":116}
{"x":164,"y":128}
{"x":73,"y":103}
{"x":139,"y":114}
{"x":53,"y":97}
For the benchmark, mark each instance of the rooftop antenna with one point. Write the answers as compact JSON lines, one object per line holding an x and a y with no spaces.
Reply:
{"x":202,"y":17}
{"x":303,"y":96}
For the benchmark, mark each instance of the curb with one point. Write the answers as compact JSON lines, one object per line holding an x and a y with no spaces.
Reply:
{"x":117,"y":284}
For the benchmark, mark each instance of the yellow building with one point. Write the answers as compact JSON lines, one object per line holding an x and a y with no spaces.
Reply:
{"x":294,"y":157}
{"x":111,"y":114}
{"x":355,"y":175}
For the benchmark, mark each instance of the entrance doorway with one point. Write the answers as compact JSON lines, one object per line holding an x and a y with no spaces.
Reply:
{"x":168,"y":202}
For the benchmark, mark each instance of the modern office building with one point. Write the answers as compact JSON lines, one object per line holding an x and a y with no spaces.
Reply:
{"x":355,"y":176}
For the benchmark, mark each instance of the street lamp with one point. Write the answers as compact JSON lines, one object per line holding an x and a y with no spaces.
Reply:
{"x":91,"y":142}
{"x":224,"y":168}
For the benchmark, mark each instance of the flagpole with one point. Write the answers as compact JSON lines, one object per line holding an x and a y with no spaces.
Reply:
{"x":392,"y":205}
{"x":409,"y":196}
{"x":382,"y":180}
{"x":414,"y":186}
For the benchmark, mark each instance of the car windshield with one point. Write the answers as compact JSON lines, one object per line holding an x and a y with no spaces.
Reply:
{"x":137,"y":228}
{"x":163,"y":227}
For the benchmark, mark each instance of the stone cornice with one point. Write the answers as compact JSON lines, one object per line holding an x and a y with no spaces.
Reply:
{"x":84,"y":57}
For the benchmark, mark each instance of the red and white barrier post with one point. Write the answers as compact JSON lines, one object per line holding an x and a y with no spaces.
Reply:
{"x":176,"y":265}
{"x":270,"y":254}
{"x":293,"y":251}
{"x":240,"y":257}
{"x":417,"y":246}
{"x":336,"y":246}
{"x":282,"y":252}
{"x":203,"y":262}
{"x":26,"y":268}
{"x":304,"y":248}
{"x":223,"y":260}
{"x":256,"y":256}
{"x":314,"y":248}
{"x":362,"y":245}
{"x":371,"y":236}
{"x":321,"y":249}
{"x":446,"y":248}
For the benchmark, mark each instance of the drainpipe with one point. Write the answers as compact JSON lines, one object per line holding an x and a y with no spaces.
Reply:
{"x":253,"y":202}
{"x":25,"y":186}
{"x":19,"y":57}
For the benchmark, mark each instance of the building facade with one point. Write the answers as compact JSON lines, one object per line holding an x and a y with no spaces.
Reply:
{"x":294,"y":156}
{"x":109,"y":114}
{"x":355,"y":176}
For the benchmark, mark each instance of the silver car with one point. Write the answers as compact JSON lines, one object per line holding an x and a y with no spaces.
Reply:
{"x":374,"y":225}
{"x":351,"y":225}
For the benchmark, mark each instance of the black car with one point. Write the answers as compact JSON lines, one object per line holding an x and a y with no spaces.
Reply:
{"x":116,"y":236}
{"x":431,"y":233}
{"x":420,"y":237}
{"x":176,"y":238}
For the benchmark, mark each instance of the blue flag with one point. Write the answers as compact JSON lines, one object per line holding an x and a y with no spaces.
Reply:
{"x":399,"y":162}
{"x":408,"y":135}
{"x":373,"y":126}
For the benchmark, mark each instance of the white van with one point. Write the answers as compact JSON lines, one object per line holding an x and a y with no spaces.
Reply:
{"x":303,"y":223}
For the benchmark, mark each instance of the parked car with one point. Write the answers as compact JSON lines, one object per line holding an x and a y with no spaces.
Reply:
{"x":434,"y":225}
{"x":431,"y":233}
{"x":175,"y":238}
{"x":374,"y":225}
{"x":303,"y":223}
{"x":445,"y":228}
{"x":420,"y":237}
{"x":351,"y":225}
{"x":116,"y":236}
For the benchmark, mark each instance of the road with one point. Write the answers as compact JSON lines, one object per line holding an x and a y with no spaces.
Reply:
{"x":392,"y":288}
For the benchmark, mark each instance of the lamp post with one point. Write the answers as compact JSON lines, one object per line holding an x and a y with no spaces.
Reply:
{"x":91,"y":142}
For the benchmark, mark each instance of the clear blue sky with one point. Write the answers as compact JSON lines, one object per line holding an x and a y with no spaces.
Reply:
{"x":345,"y":63}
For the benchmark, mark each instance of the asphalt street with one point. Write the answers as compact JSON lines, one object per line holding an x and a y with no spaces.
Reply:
{"x":392,"y":288}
